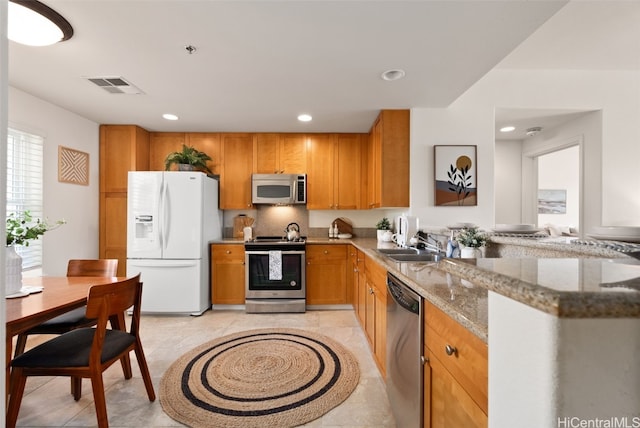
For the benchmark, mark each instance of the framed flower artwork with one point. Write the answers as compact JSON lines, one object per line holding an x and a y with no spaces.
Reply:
{"x":455,"y":175}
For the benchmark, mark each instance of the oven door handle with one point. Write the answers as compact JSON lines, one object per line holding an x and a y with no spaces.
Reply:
{"x":267,"y":252}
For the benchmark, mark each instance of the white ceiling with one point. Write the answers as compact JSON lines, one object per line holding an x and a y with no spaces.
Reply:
{"x":258,"y":64}
{"x":584,"y":35}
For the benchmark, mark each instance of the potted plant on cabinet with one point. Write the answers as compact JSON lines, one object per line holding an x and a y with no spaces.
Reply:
{"x":189,"y":159}
{"x":383,"y":226}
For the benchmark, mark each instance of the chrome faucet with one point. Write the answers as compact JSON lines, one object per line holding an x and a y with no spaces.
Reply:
{"x":435,"y":246}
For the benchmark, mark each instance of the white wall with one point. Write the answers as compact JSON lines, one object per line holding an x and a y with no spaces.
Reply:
{"x":560,"y":171}
{"x":508,"y":182}
{"x":470,"y":120}
{"x":77,"y":204}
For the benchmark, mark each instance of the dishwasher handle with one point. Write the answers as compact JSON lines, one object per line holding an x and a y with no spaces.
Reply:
{"x":403,"y":295}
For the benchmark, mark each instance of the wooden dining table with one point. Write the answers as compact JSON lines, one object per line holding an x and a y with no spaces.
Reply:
{"x":58,"y":295}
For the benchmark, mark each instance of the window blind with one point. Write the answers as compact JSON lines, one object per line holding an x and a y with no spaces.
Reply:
{"x":25,"y":186}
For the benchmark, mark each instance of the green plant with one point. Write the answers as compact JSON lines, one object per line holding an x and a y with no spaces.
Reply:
{"x":383,"y":224}
{"x":188,"y":156}
{"x":471,"y":237}
{"x":21,"y":228}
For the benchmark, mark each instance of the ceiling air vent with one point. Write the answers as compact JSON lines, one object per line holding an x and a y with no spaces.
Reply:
{"x":115,"y":85}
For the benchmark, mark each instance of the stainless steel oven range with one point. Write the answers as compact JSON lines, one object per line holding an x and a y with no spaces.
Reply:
{"x":275,"y":275}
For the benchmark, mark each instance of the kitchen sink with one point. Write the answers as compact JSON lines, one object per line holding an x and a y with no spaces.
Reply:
{"x":410,"y":254}
{"x":396,"y":251}
{"x":422,"y":257}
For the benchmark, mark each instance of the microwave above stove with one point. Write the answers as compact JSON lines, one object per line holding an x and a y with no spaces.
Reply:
{"x":279,"y":189}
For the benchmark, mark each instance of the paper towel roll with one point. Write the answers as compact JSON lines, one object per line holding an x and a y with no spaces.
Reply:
{"x":247,"y":232}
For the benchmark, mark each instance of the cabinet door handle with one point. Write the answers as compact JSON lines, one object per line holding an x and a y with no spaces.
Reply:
{"x":450,"y":350}
{"x":228,"y":252}
{"x":326,"y":252}
{"x":370,"y":290}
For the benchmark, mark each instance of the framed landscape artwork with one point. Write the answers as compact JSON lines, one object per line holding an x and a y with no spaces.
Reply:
{"x":455,"y":176}
{"x":552,"y":201}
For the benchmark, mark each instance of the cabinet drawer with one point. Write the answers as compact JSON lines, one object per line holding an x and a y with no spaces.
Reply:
{"x":462,"y":353}
{"x":326,"y":252}
{"x":227,"y":253}
{"x":377,"y":275}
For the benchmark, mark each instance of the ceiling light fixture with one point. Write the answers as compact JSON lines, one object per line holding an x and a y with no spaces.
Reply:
{"x":305,"y":118}
{"x":507,"y":128}
{"x":35,"y":24}
{"x":391,"y":75}
{"x":170,"y":116}
{"x":533,"y":131}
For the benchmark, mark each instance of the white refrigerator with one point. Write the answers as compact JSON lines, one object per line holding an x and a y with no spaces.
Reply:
{"x":171,"y":218}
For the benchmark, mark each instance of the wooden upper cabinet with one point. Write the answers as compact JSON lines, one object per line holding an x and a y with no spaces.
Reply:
{"x":208,"y":142}
{"x":293,"y":153}
{"x":265,"y":156}
{"x":320,"y":171}
{"x":163,"y":143}
{"x":280,"y":154}
{"x":388,"y":162}
{"x":237,"y":166}
{"x":123,"y":148}
{"x":334,"y":173}
{"x":348,"y":179}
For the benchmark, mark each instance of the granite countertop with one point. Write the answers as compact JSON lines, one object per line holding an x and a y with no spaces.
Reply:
{"x":573,"y":287}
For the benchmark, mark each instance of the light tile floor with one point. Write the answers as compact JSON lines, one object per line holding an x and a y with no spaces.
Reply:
{"x":47,"y":402}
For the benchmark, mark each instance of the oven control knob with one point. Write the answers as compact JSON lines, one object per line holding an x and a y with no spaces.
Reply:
{"x":292,"y":283}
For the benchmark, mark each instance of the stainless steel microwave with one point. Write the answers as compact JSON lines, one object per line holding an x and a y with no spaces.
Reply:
{"x":279,"y":189}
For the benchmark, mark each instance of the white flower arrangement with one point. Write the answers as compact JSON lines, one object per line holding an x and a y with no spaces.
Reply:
{"x":471,"y":237}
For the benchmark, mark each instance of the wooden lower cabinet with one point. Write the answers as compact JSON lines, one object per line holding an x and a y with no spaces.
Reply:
{"x":227,"y":274}
{"x":455,"y":374}
{"x":376,"y":312}
{"x":446,"y":402}
{"x":326,"y":274}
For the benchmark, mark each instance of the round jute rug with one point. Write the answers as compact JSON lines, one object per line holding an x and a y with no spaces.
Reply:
{"x":259,"y":378}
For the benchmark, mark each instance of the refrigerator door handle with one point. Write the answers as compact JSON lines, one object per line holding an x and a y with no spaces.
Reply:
{"x":136,"y":263}
{"x":162,"y":214}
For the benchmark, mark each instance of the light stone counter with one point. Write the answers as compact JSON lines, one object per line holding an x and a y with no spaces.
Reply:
{"x":563,"y":287}
{"x":575,"y":287}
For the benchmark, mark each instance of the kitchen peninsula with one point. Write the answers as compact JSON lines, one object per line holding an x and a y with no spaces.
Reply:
{"x":562,"y":333}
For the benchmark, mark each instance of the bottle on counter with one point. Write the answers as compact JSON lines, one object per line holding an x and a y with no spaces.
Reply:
{"x":336,"y":232}
{"x":331,"y":231}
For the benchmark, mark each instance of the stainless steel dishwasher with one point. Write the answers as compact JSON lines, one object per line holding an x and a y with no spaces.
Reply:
{"x":404,"y":353}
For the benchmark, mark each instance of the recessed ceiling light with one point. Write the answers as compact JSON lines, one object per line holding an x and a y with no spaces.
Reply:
{"x":170,"y":116}
{"x":507,"y":128}
{"x":35,"y":24}
{"x":393,"y":74}
{"x":304,"y":118}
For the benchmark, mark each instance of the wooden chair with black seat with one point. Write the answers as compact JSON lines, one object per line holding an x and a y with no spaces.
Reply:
{"x":87,"y":352}
{"x":76,"y":318}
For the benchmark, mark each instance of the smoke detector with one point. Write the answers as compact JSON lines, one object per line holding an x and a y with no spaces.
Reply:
{"x":533,"y":131}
